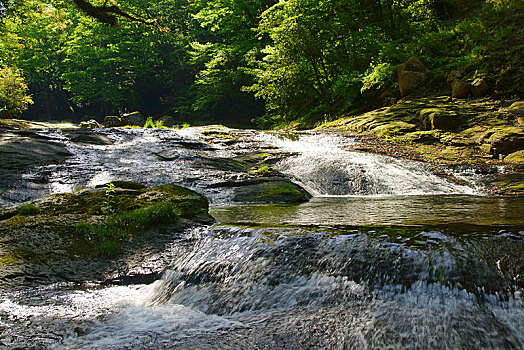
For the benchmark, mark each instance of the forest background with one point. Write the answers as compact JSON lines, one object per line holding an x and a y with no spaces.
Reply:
{"x":246,"y":62}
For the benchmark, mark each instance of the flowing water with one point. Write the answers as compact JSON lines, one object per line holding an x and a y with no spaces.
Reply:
{"x":386,"y":255}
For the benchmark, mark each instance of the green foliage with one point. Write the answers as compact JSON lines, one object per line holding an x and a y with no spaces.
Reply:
{"x":262,"y":170}
{"x":280,"y":62}
{"x":28,"y":210}
{"x":13,"y":93}
{"x":154,"y":124}
{"x":108,"y":236}
{"x":160,"y":125}
{"x":378,"y":76}
{"x":149,"y":123}
{"x":109,"y":201}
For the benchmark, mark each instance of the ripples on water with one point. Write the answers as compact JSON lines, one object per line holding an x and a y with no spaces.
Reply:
{"x":344,"y":272}
{"x":295,"y":288}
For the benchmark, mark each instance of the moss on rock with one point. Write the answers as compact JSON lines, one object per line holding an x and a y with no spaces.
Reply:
{"x":72,"y":229}
{"x":443,"y":129}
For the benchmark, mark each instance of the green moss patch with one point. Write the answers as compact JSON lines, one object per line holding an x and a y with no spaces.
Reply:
{"x":21,"y":255}
{"x":96,"y":222}
{"x":28,"y":210}
{"x":106,"y":238}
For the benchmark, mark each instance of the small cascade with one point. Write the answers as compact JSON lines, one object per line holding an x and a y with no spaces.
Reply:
{"x":240,"y":287}
{"x":324,"y":166}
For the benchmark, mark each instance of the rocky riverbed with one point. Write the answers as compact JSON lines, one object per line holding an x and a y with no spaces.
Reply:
{"x":43,"y":241}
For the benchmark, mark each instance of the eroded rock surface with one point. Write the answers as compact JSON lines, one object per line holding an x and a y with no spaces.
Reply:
{"x":92,"y":234}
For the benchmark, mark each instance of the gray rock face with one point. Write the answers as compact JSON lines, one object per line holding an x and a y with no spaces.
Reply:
{"x":82,"y":136}
{"x":22,"y":149}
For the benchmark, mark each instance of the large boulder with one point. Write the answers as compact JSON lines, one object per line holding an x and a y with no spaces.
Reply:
{"x":112,"y":121}
{"x":134,"y":119}
{"x":459,"y":89}
{"x":92,"y":234}
{"x":479,"y":87}
{"x":409,"y":74}
{"x":452,"y":76}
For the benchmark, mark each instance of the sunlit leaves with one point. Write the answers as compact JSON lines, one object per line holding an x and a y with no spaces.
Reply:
{"x":13,"y":93}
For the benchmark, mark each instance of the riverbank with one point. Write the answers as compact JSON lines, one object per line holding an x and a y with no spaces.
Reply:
{"x":483,"y":132}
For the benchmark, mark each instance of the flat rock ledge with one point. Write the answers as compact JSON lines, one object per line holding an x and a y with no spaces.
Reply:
{"x":93,"y":235}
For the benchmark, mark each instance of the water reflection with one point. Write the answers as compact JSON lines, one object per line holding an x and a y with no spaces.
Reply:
{"x":378,"y":211}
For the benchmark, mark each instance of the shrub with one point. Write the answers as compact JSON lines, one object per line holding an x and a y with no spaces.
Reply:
{"x":149,"y":123}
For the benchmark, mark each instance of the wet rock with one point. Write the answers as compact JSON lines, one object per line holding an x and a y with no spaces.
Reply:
{"x":479,"y":87}
{"x":90,"y":124}
{"x":459,"y":89}
{"x":409,"y":74}
{"x":87,"y":137}
{"x":63,"y":240}
{"x":128,"y":185}
{"x":112,"y":121}
{"x":222,"y":164}
{"x":23,"y":149}
{"x":266,"y":190}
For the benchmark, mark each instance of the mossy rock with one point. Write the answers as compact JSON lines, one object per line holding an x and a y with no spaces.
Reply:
{"x":86,"y":234}
{"x":503,"y":140}
{"x":279,"y":191}
{"x":271,"y":189}
{"x":515,"y":157}
{"x":512,"y":183}
{"x":440,"y":118}
{"x":427,"y":137}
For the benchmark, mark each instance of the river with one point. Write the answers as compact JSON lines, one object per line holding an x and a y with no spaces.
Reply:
{"x":386,"y":255}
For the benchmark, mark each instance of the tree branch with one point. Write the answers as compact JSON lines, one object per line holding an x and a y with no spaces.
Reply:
{"x":107,"y":14}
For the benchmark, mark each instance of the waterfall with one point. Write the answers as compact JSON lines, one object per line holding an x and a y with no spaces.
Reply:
{"x":324,"y":165}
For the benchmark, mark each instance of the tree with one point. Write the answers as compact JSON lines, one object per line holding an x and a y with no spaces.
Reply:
{"x":13,"y":93}
{"x":224,"y":41}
